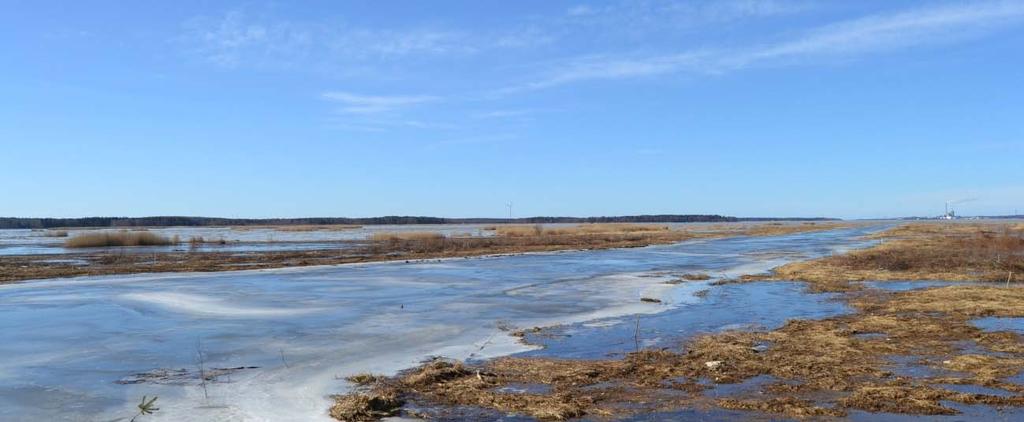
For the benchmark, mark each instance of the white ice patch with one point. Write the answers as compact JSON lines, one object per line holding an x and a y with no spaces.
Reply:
{"x":211,"y":307}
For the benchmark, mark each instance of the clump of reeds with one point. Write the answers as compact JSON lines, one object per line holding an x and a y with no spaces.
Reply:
{"x":313,"y":227}
{"x":582,"y":229}
{"x":369,"y":406}
{"x":519,"y":230}
{"x":363,"y":379}
{"x":116,"y":238}
{"x":56,"y":233}
{"x":921,"y":252}
{"x":399,"y":236}
{"x":617,"y":228}
{"x":196,"y":241}
{"x":418,"y":242}
{"x":977,"y":252}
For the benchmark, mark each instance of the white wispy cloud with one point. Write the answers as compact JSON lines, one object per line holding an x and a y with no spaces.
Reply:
{"x":220,"y":41}
{"x":581,"y":10}
{"x":503,"y":114}
{"x":607,"y":68}
{"x":368,"y":104}
{"x":873,"y":34}
{"x":237,"y":38}
{"x":655,"y":15}
{"x":935,"y":25}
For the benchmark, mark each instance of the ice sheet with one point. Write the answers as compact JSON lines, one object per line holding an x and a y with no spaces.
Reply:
{"x":66,"y":343}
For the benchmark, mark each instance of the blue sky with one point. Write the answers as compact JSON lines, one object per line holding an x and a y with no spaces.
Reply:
{"x":362,"y":108}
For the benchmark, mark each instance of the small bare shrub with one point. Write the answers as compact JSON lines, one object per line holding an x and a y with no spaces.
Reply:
{"x":146,"y":407}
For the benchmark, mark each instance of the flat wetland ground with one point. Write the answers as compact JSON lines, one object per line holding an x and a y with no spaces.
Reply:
{"x":189,"y":255}
{"x":910,"y":346}
{"x":924,"y":321}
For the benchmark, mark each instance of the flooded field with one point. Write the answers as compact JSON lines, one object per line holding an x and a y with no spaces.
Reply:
{"x":275,"y":344}
{"x":15,"y":242}
{"x":235,"y":239}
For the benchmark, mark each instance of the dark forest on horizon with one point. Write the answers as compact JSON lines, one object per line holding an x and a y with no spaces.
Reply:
{"x":170,"y":221}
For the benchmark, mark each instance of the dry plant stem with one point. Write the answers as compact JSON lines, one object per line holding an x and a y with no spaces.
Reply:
{"x":636,"y":334}
{"x":201,"y":363}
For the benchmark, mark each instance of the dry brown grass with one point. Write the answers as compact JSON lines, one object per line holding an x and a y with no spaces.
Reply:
{"x":582,"y":229}
{"x":782,"y":405}
{"x":312,"y":228}
{"x":956,"y":252}
{"x":783,"y":229}
{"x":419,"y":244}
{"x":822,"y":368}
{"x":967,"y":301}
{"x":363,"y":379}
{"x":365,"y":406}
{"x":404,"y":236}
{"x":519,"y":230}
{"x":536,"y":238}
{"x":612,"y":228}
{"x":196,"y":241}
{"x":454,"y":383}
{"x":298,"y":227}
{"x":116,"y":238}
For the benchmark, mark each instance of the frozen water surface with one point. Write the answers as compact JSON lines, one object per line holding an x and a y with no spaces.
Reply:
{"x":258,"y":238}
{"x":1000,"y":324}
{"x":237,"y":239}
{"x":90,"y":348}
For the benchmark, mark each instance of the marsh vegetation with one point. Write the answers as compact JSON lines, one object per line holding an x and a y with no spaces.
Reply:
{"x":117,"y":238}
{"x":538,"y":238}
{"x":805,"y":368}
{"x":381,"y":246}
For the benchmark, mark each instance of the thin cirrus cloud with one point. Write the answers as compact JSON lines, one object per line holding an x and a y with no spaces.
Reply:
{"x":934,"y":25}
{"x":371,"y":104}
{"x":879,"y":33}
{"x":238,"y":39}
{"x":686,"y":13}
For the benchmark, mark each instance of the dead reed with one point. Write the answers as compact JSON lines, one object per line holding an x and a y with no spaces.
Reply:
{"x":986,"y":252}
{"x":196,"y":241}
{"x":402,"y":236}
{"x":116,"y":238}
{"x":313,"y":227}
{"x":595,"y":228}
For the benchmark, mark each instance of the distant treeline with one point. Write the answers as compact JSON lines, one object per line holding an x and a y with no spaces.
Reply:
{"x":978,"y":217}
{"x":45,"y":223}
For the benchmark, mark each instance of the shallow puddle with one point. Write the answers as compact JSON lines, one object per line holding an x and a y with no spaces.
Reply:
{"x":747,"y":306}
{"x":1000,"y":324}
